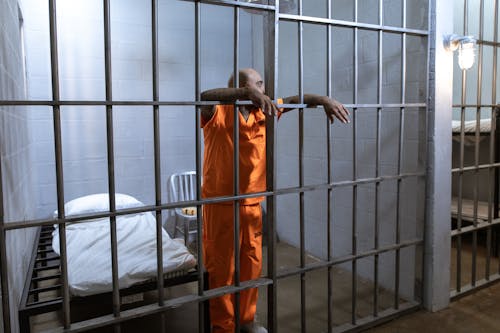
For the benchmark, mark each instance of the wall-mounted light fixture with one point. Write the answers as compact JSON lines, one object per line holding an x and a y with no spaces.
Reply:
{"x":466,"y":46}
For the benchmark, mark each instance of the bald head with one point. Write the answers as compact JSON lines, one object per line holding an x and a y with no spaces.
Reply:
{"x":248,"y":77}
{"x":243,"y":76}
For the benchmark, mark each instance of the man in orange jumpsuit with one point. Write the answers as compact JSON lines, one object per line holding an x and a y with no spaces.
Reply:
{"x":218,"y":243}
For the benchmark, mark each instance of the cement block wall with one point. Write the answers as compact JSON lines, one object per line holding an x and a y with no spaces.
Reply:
{"x":17,"y":149}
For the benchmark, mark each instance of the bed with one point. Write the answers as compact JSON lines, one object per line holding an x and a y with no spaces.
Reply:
{"x":89,"y":260}
{"x":468,"y":213}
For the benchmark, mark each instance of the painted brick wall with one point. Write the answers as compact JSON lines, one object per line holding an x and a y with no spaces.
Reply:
{"x":16,"y":148}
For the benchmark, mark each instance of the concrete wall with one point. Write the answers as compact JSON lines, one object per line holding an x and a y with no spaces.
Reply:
{"x":315,"y":163}
{"x":81,"y":68}
{"x":16,"y":148}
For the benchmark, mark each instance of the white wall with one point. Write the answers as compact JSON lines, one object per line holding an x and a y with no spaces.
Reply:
{"x":16,"y":148}
{"x":81,"y":68}
{"x":315,"y":163}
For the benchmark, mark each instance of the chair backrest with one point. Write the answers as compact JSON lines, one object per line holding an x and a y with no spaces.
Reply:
{"x":182,"y":186}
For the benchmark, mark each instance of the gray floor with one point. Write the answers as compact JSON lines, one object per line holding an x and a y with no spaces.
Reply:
{"x":475,"y":313}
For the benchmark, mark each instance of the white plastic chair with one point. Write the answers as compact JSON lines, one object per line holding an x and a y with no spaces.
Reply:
{"x":182,"y":187}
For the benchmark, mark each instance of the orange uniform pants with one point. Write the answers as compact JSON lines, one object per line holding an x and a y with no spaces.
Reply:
{"x":218,"y":246}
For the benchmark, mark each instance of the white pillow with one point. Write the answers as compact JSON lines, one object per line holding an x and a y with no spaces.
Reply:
{"x":95,"y":203}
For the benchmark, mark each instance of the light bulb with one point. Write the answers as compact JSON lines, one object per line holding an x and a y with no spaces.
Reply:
{"x":466,"y":55}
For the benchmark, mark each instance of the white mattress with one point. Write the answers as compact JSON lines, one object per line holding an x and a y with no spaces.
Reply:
{"x":89,"y":253}
{"x":470,"y":126}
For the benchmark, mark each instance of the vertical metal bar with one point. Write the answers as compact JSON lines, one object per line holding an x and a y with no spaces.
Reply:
{"x":494,"y":101}
{"x":58,"y":157}
{"x":354,"y":290}
{"x":377,"y":163}
{"x":491,"y":170}
{"x":400,"y":159}
{"x":157,"y":156}
{"x":236,"y":168}
{"x":460,"y":175}
{"x":199,"y":222}
{"x":301,"y":172}
{"x":4,"y":277}
{"x":271,"y":47}
{"x":329,"y":169}
{"x":476,"y":145}
{"x":111,"y":164}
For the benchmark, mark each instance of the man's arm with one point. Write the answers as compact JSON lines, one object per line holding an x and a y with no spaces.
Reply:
{"x":258,"y":99}
{"x":333,"y":108}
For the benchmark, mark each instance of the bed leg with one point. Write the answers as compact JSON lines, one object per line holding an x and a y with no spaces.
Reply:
{"x":24,"y":323}
{"x":206,"y":305}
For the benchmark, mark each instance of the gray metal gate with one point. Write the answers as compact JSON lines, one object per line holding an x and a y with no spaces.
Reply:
{"x":383,"y":184}
{"x":475,"y":201}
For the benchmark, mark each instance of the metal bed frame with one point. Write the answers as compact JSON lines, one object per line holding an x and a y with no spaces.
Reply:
{"x":45,"y":267}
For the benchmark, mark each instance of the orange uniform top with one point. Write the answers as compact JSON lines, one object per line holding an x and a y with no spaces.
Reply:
{"x":218,"y":159}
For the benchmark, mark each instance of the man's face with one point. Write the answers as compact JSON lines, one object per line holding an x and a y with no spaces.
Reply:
{"x":254,"y":80}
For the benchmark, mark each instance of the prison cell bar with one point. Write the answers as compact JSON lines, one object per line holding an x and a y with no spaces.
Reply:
{"x":492,"y":166}
{"x":493,"y":147}
{"x":199,"y":250}
{"x":157,"y":158}
{"x":495,"y":126}
{"x":271,"y":51}
{"x":111,"y":161}
{"x":151,"y":208}
{"x":377,"y":161}
{"x":4,"y":276}
{"x":476,"y":146}
{"x":400,"y":158}
{"x":461,"y":163}
{"x":329,"y":170}
{"x":354,"y":206}
{"x":54,"y":62}
{"x":300,"y":62}
{"x":272,"y":194}
{"x":236,"y":169}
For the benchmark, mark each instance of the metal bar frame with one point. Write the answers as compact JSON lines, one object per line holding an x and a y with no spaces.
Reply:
{"x":273,"y":18}
{"x":58,"y":160}
{"x":478,"y":224}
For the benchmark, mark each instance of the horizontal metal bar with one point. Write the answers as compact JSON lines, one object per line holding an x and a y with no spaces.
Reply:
{"x":479,"y":226}
{"x":382,"y":317}
{"x":45,"y":268}
{"x":340,"y":260}
{"x":474,"y":105}
{"x":188,"y":103}
{"x":54,"y":303}
{"x":39,"y":260}
{"x":150,"y":309}
{"x":469,"y":288}
{"x":487,"y":42}
{"x":474,"y":168}
{"x":44,"y":289}
{"x":350,"y":24}
{"x":46,"y":277}
{"x":151,"y":208}
{"x":235,"y":3}
{"x":45,"y":251}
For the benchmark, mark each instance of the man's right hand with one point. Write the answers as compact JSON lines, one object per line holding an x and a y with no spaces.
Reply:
{"x":262,"y":101}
